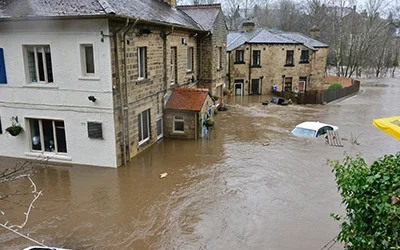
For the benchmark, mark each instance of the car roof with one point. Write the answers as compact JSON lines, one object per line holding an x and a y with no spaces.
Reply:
{"x":314,"y":125}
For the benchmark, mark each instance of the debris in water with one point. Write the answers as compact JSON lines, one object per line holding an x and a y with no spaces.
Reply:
{"x":163,"y":175}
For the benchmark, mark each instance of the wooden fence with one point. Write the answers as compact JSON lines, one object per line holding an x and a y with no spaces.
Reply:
{"x":321,"y":96}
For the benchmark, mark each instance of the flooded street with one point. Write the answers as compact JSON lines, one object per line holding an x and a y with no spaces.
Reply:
{"x":228,"y":191}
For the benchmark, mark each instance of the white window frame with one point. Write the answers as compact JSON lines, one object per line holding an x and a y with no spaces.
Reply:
{"x":179,"y":118}
{"x":84,"y":60}
{"x":190,"y":59}
{"x":37,"y":48}
{"x":141,"y":62}
{"x":41,"y":134}
{"x":173,"y":64}
{"x":140,"y":116}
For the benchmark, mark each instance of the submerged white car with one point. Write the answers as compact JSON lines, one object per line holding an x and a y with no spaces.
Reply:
{"x":312,"y":129}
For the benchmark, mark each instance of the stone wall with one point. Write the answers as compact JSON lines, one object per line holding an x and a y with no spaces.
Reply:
{"x":272,"y":69}
{"x":133,"y":96}
{"x":211,"y":76}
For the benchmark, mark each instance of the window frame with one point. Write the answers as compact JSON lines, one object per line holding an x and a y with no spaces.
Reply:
{"x":142,"y":62}
{"x":219,"y":57}
{"x":41,"y":135}
{"x":140,"y":128}
{"x":256,"y":58}
{"x":304,"y":56}
{"x":173,"y":65}
{"x":239,"y":56}
{"x":38,"y":49}
{"x":175,"y":120}
{"x":190,"y":59}
{"x":289,"y":58}
{"x":84,"y":60}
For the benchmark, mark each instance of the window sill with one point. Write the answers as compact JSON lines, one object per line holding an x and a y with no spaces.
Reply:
{"x":304,"y":62}
{"x":289,"y":65}
{"x":89,"y":78}
{"x":41,"y":85}
{"x":239,"y":63}
{"x":51,"y":156}
{"x":143,"y":81}
{"x":256,"y":66}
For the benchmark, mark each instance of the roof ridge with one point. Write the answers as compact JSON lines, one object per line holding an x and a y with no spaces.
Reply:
{"x":200,"y":6}
{"x":106,"y":6}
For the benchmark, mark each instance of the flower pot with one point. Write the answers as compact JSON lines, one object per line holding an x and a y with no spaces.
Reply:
{"x":14,"y":130}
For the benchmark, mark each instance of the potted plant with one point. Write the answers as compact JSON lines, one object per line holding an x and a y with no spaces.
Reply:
{"x":14,"y":129}
{"x":209,"y":123}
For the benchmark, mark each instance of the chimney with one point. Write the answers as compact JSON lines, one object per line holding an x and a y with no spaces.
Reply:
{"x":314,"y":32}
{"x":247,"y":26}
{"x":171,"y":3}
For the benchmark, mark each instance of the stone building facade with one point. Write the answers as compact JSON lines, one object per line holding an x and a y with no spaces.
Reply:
{"x":258,"y":59}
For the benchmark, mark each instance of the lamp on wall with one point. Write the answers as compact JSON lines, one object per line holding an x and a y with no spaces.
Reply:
{"x":92,"y":98}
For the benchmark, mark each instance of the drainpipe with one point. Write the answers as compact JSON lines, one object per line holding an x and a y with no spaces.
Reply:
{"x":251,"y":51}
{"x":118,"y":73}
{"x":165,"y":61}
{"x":126,"y":108}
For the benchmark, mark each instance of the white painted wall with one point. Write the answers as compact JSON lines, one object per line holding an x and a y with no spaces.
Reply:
{"x":67,"y":97}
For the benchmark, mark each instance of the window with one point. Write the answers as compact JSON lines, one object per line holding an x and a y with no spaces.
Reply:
{"x":47,"y":135}
{"x":144,"y":126}
{"x":87,"y":59}
{"x":219,"y":58}
{"x":179,"y":124}
{"x":256,"y":57}
{"x":190,"y":59}
{"x":288,"y":84}
{"x":173,"y":68}
{"x":141,"y":61}
{"x":239,"y":58}
{"x":159,"y":125}
{"x":38,"y":60}
{"x":3,"y":76}
{"x":289,"y":57}
{"x":302,"y":84}
{"x":304,"y":56}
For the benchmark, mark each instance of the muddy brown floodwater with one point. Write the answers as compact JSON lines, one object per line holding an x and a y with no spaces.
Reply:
{"x":228,"y":191}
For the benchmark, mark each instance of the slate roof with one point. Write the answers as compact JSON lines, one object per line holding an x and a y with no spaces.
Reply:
{"x":191,"y":99}
{"x":151,"y":10}
{"x":266,"y":36}
{"x":203,"y":15}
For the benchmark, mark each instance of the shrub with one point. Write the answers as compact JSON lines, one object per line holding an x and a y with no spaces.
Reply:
{"x":371,"y":196}
{"x":335,"y":86}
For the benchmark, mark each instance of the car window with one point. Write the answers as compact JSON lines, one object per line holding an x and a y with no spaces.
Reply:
{"x":324,"y":130}
{"x":303,"y":132}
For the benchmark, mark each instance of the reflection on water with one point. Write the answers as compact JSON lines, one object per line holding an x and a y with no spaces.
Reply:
{"x":248,"y":185}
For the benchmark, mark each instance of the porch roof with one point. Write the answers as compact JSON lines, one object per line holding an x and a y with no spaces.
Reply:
{"x":190,"y":99}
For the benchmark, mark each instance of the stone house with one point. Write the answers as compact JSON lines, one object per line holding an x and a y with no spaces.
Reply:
{"x":186,"y":111}
{"x":260,"y":58}
{"x":88,"y":80}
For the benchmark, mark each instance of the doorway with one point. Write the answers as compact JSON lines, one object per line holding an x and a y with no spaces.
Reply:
{"x":238,"y":87}
{"x":255,"y":87}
